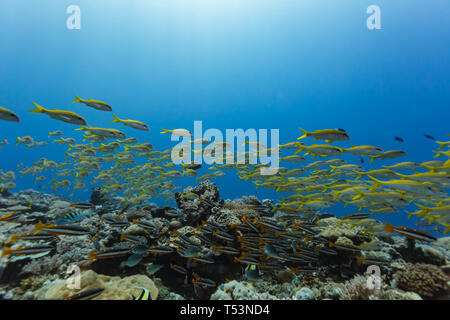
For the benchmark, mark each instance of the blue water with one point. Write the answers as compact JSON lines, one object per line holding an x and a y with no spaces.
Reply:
{"x":260,"y":64}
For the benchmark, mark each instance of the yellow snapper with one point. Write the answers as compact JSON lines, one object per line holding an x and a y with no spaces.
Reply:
{"x":96,"y":104}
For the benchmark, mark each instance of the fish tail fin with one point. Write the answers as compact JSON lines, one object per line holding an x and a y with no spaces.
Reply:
{"x":300,"y":149}
{"x":424,"y":209}
{"x":38,"y":227}
{"x":333,"y":168}
{"x":6,"y":251}
{"x":77,"y":99}
{"x":438,"y":154}
{"x":82,"y":128}
{"x":93,"y":256}
{"x":165,"y":131}
{"x":389,"y":227}
{"x":17,"y":141}
{"x":376,"y":184}
{"x":421,"y":206}
{"x":359,"y":260}
{"x":404,"y":176}
{"x":410,"y":214}
{"x":38,"y":109}
{"x":359,"y":194}
{"x":447,"y":227}
{"x":431,"y":220}
{"x":360,"y":174}
{"x":371,"y":159}
{"x":116,"y":119}
{"x":336,"y":195}
{"x":432,"y":169}
{"x":441,"y":144}
{"x":14,"y":237}
{"x":305,"y":134}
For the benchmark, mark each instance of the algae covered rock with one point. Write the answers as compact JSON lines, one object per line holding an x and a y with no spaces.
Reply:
{"x":443,"y":242}
{"x":304,"y":294}
{"x":116,"y":288}
{"x":285,"y":276}
{"x":427,"y":280}
{"x":235,"y":290}
{"x":198,"y":208}
{"x":332,"y":229}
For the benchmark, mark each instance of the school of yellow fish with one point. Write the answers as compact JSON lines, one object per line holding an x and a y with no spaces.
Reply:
{"x":315,"y":186}
{"x":109,"y":159}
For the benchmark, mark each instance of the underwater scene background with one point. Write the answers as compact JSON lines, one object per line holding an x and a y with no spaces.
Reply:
{"x":131,"y":217}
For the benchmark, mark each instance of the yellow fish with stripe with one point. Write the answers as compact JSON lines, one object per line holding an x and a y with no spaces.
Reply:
{"x":329,"y":135}
{"x":131,"y":123}
{"x":65,"y":116}
{"x":96,"y":104}
{"x":104,"y":132}
{"x":8,"y":115}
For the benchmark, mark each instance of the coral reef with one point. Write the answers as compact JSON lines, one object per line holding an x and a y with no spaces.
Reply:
{"x":235,"y":290}
{"x":198,"y":208}
{"x":202,"y":239}
{"x":358,"y":289}
{"x":427,"y":280}
{"x":232,"y":211}
{"x":116,"y":288}
{"x":69,"y":251}
{"x":304,"y":294}
{"x":332,"y":229}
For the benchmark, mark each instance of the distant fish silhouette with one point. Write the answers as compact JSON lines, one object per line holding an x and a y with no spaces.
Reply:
{"x":399,"y":139}
{"x":429,"y":137}
{"x":361,"y":160}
